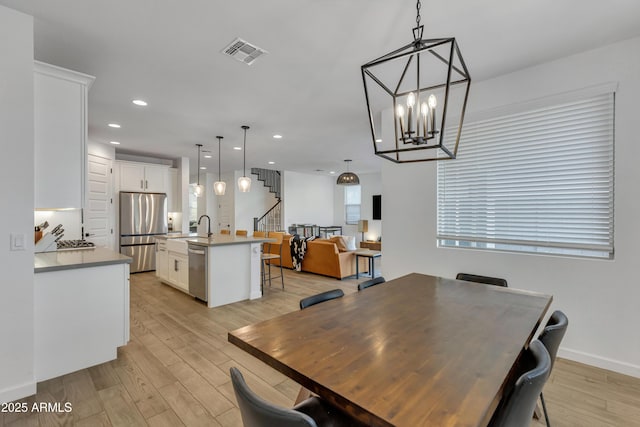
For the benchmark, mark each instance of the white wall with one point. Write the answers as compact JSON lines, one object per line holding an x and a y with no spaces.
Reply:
{"x":107,"y":151}
{"x":600,"y":297}
{"x":371,"y":183}
{"x":17,"y":194}
{"x":308,"y":199}
{"x":250,"y":205}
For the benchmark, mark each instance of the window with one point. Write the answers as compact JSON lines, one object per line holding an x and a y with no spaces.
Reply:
{"x":352,"y":197}
{"x":539,"y":180}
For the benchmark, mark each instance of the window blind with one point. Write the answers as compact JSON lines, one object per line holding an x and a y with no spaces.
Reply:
{"x":534,"y":181}
{"x":352,"y":201}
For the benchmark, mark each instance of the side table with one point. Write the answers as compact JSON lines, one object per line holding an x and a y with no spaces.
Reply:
{"x":370,"y":244}
{"x":371,"y":255}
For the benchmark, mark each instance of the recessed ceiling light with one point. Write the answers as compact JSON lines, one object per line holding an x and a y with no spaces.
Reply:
{"x":114,"y":125}
{"x":332,"y":172}
{"x":276,"y":136}
{"x":114,"y":142}
{"x":378,"y":140}
{"x":139,"y":102}
{"x":203,"y":167}
{"x":237,"y":148}
{"x":207,"y":156}
{"x":272,"y":163}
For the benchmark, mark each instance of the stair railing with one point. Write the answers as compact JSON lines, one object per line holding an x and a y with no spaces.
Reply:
{"x":271,"y":220}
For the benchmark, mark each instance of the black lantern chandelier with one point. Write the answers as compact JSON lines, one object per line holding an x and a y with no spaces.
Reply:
{"x":348,"y":178}
{"x":415,"y":95}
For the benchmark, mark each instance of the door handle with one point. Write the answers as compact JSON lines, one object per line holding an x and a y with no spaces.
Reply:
{"x":146,"y":184}
{"x":175,"y":265}
{"x":141,"y":185}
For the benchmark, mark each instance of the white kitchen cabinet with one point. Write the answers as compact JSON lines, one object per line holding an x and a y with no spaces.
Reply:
{"x":172,"y":263}
{"x":162,"y":260}
{"x":179,"y":270}
{"x":60,"y":135}
{"x":142,"y":177}
{"x":81,"y":317}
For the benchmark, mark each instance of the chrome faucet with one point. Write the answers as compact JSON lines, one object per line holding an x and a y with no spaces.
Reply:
{"x":209,"y":223}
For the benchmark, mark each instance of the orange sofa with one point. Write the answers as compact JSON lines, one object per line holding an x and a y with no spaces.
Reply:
{"x":322,"y":257}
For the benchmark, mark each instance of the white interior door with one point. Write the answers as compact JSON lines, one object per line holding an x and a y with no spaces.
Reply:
{"x":98,"y":223}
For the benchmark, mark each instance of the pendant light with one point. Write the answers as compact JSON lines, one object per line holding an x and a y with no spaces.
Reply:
{"x":199,"y":189}
{"x":413,"y":95}
{"x":219,"y":186}
{"x":244,"y":182}
{"x":348,"y":178}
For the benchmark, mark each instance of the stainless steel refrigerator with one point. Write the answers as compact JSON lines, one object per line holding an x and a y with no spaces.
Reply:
{"x":143,"y":216}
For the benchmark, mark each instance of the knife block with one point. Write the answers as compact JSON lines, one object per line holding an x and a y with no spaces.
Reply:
{"x":46,"y":244}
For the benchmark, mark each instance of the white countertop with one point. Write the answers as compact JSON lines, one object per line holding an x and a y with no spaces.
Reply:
{"x":225,"y":239}
{"x":176,"y":235}
{"x":81,"y":258}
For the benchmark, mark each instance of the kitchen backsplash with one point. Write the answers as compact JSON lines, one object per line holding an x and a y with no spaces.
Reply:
{"x":70,"y":220}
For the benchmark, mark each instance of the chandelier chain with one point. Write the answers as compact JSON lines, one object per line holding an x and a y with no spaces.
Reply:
{"x":418,"y":6}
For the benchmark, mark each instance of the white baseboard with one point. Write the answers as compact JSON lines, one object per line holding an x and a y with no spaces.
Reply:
{"x":17,"y":392}
{"x":600,"y":362}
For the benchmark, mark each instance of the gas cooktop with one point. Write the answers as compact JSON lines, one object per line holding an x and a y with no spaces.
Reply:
{"x":74,"y":244}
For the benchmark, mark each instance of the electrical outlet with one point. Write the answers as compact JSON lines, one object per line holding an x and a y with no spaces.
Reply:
{"x":17,"y":241}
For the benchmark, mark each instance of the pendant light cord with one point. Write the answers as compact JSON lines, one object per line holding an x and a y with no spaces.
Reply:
{"x":219,"y":143}
{"x":199,"y":145}
{"x":418,"y":6}
{"x":244,"y":152}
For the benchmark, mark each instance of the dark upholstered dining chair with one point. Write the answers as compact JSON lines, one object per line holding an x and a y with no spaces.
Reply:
{"x":551,"y":337}
{"x":318,"y":298}
{"x":370,"y":282}
{"x":482,"y":279}
{"x":520,"y":398}
{"x":312,"y":412}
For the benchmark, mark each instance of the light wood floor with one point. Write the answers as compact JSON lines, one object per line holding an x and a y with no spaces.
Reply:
{"x":175,"y":369}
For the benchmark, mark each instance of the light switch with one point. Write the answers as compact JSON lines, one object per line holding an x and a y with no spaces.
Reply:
{"x":17,"y":242}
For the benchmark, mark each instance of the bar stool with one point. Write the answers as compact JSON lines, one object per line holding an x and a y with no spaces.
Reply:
{"x":268,"y":256}
{"x":225,"y":231}
{"x":241,"y":233}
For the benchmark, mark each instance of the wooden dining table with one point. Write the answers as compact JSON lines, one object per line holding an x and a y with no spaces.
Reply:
{"x":415,"y":351}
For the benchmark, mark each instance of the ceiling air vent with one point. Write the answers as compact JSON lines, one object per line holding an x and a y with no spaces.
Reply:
{"x":243,"y":51}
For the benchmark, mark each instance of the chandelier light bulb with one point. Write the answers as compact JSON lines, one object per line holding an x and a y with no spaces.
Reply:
{"x":411,"y":100}
{"x":433,"y":102}
{"x":400,"y":111}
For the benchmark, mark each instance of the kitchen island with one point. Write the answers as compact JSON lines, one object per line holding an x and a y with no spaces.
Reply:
{"x":227,"y":268}
{"x":81,"y":306}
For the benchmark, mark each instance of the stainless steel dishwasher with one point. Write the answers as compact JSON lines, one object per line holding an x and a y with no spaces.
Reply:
{"x":198,"y":272}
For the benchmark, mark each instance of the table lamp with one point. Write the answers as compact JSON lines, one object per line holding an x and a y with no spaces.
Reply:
{"x":363,"y":227}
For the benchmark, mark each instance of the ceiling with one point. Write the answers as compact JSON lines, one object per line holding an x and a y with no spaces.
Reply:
{"x":308,"y":88}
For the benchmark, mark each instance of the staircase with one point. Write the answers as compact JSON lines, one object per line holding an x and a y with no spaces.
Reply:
{"x":270,"y":179}
{"x":272,"y":219}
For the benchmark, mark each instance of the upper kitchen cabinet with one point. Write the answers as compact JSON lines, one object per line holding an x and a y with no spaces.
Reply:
{"x":60,"y":132}
{"x":143,"y":177}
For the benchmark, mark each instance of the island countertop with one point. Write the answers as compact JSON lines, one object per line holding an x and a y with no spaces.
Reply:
{"x":82,"y":258}
{"x":176,"y":235}
{"x":225,"y":239}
